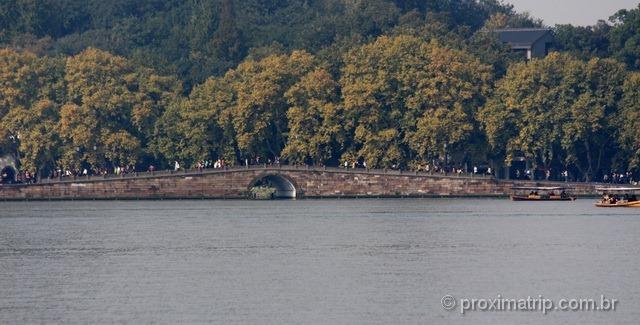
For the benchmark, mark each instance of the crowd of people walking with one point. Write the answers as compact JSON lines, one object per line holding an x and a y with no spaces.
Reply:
{"x":620,"y":178}
{"x":432,"y":168}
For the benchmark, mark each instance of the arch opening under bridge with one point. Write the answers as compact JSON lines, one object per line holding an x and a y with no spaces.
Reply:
{"x":7,"y":175}
{"x":285,"y":187}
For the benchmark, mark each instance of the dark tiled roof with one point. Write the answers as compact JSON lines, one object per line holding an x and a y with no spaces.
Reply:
{"x":522,"y":36}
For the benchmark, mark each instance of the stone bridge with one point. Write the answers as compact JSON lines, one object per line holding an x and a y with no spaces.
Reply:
{"x":290,"y":181}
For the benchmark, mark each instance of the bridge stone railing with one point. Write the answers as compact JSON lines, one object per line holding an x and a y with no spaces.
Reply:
{"x":235,"y":182}
{"x":194,"y":172}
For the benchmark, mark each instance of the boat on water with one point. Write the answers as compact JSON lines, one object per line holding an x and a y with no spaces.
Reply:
{"x":619,"y":197}
{"x":541,"y":194}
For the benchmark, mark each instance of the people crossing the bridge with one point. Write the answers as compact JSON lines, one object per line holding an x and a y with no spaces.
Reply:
{"x":351,"y":163}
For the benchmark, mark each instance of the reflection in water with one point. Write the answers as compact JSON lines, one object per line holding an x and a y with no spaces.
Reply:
{"x":319,"y":262}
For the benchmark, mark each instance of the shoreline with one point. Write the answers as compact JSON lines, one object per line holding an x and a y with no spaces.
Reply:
{"x":305,"y":198}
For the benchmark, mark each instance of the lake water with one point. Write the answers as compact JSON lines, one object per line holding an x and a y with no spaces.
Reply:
{"x":312,"y":262}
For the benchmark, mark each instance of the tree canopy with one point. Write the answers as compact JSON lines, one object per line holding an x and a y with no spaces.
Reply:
{"x":96,"y":85}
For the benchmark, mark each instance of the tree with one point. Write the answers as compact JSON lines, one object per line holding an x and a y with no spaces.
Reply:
{"x":36,"y":130}
{"x":457,"y":86}
{"x":406,"y":99}
{"x":556,"y":111}
{"x":152,"y":95}
{"x":373,"y":95}
{"x":195,"y":128}
{"x":121,"y":147}
{"x":589,"y":133}
{"x":583,"y":42}
{"x":259,"y":113}
{"x":109,"y":102}
{"x":459,"y":12}
{"x":16,"y":74}
{"x":315,"y":131}
{"x":227,"y":38}
{"x":32,"y":89}
{"x":100,"y":105}
{"x":625,"y":37}
{"x":629,"y":120}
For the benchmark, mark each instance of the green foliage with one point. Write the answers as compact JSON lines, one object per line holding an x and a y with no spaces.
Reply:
{"x":31,"y":89}
{"x":625,"y":37}
{"x":111,"y":110}
{"x":92,"y":110}
{"x":197,"y":128}
{"x":629,"y":120}
{"x":584,"y":42}
{"x":196,"y":39}
{"x":97,"y":84}
{"x":36,"y":129}
{"x":558,"y":112}
{"x":315,"y":128}
{"x":406,"y":99}
{"x":259,"y":114}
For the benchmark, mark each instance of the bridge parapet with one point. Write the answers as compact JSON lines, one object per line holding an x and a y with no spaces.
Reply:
{"x":273,"y":168}
{"x":303,"y":181}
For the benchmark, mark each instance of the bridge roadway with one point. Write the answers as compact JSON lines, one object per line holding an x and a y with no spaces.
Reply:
{"x":290,"y":182}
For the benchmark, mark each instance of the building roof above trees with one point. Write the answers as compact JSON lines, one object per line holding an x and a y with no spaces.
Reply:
{"x":535,"y":41}
{"x":524,"y":36}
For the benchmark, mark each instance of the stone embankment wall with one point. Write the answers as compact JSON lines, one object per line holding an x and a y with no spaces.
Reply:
{"x":235,"y":183}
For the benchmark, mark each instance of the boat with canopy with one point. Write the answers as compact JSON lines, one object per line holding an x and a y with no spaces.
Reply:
{"x":619,"y":197}
{"x":527,"y":193}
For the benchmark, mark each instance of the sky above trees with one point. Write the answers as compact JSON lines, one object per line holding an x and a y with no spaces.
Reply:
{"x":576,"y":12}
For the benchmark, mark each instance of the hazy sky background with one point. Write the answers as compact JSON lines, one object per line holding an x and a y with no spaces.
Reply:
{"x":576,"y":12}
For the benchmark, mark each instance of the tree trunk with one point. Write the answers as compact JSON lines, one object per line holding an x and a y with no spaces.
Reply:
{"x":589,"y":161}
{"x":600,"y":153}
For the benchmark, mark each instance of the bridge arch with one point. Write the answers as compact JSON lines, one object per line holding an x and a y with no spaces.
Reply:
{"x":7,"y":175}
{"x":286,"y":188}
